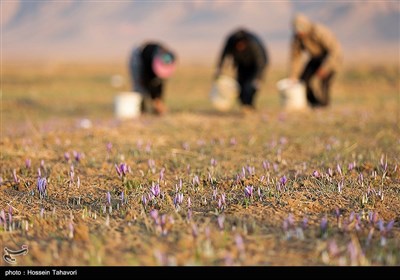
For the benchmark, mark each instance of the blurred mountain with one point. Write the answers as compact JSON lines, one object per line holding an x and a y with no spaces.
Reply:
{"x":86,"y":30}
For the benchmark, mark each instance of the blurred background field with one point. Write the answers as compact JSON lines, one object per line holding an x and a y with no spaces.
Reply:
{"x":74,"y":91}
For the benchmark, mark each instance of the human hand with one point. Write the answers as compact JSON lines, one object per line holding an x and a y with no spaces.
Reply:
{"x":256,"y":83}
{"x":321,"y":73}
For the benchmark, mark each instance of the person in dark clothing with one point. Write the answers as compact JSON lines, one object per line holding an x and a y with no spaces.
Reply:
{"x":325,"y":59}
{"x":250,"y":59}
{"x":150,"y":65}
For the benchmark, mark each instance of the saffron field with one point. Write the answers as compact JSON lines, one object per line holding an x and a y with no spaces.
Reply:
{"x":196,"y":186}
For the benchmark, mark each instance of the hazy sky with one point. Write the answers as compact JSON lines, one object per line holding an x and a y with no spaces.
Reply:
{"x":195,"y":29}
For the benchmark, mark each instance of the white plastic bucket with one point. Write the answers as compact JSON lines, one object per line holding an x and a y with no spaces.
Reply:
{"x":127,"y":105}
{"x":224,"y":92}
{"x":292,"y":94}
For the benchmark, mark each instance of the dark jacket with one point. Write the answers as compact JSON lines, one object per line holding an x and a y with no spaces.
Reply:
{"x":254,"y":56}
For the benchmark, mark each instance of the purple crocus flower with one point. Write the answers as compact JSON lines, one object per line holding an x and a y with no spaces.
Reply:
{"x":283,"y":180}
{"x":278,"y":187}
{"x":195,"y":231}
{"x":10,"y":218}
{"x":259,"y":194}
{"x":71,"y":173}
{"x":316,"y":174}
{"x":148,"y":147}
{"x":42,"y":185}
{"x":77,"y":155}
{"x":42,"y":163}
{"x":248,"y":191}
{"x":353,"y":253}
{"x":186,"y":146}
{"x":154,"y":215}
{"x":189,"y":202}
{"x":290,"y":219}
{"x":67,"y":157}
{"x":337,"y":212}
{"x":108,"y":196}
{"x":266,"y":165}
{"x":71,"y":229}
{"x":16,"y":179}
{"x":144,"y":200}
{"x":373,"y":217}
{"x":285,"y":225}
{"x":122,"y":169}
{"x":250,"y":170}
{"x":370,"y":234}
{"x":152,"y":164}
{"x":358,"y":223}
{"x":196,"y":181}
{"x":223,"y":198}
{"x":237,"y":178}
{"x":210,"y":179}
{"x":3,"y":216}
{"x":109,"y":147}
{"x":276,"y":167}
{"x":122,"y":197}
{"x":233,"y":141}
{"x":324,"y":224}
{"x":180,"y":185}
{"x":155,"y":189}
{"x":178,"y":199}
{"x":339,"y":169}
{"x":330,"y":172}
{"x":201,"y":142}
{"x":139,"y":144}
{"x":351,"y":166}
{"x":383,"y":163}
{"x":118,"y":170}
{"x":340,"y":186}
{"x":162,"y":172}
{"x":220,"y":203}
{"x":239,"y":243}
{"x":361,"y":179}
{"x":213,"y":162}
{"x":28,"y":163}
{"x":220,"y":221}
{"x":351,"y":217}
{"x":389,"y":226}
{"x":333,"y":249}
{"x":214,"y":194}
{"x":304,"y":223}
{"x":243,"y":173}
{"x":163,"y":219}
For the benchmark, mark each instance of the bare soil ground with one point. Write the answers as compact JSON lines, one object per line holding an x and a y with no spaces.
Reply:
{"x":318,"y":187}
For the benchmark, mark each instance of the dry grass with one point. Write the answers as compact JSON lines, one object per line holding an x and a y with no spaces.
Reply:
{"x":74,"y":224}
